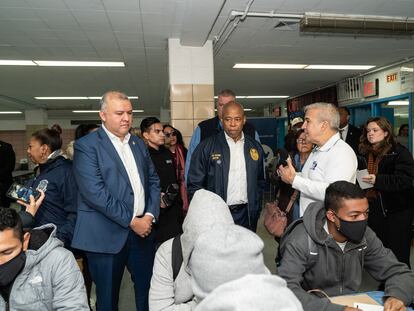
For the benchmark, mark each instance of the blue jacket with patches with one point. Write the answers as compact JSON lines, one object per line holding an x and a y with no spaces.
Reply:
{"x":210,"y":165}
{"x":59,"y":206}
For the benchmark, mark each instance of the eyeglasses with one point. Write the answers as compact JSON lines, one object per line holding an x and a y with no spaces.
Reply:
{"x":301,"y":141}
{"x":168,"y":135}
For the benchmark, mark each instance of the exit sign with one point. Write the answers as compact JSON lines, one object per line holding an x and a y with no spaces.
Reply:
{"x":392,"y":77}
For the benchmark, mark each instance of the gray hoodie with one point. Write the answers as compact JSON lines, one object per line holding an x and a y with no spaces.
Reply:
{"x":50,"y":279}
{"x":311,"y":259}
{"x":223,"y":254}
{"x":206,"y":209}
{"x":258,"y":292}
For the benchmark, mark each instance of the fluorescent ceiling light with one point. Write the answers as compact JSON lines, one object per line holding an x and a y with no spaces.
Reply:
{"x":99,"y":97}
{"x":407,"y":69}
{"x":398,"y":103}
{"x":61,"y":97}
{"x":340,"y":67}
{"x":11,"y":62}
{"x":269,"y":66}
{"x":97,"y":111}
{"x":259,"y":96}
{"x":19,"y":62}
{"x":245,"y":109}
{"x":10,"y":112}
{"x":78,"y":64}
{"x":296,"y":66}
{"x":74,"y":97}
{"x":264,"y":96}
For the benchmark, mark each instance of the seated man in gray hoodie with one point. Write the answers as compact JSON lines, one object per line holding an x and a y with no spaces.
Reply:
{"x":329,"y":249}
{"x":169,"y":293}
{"x":36,"y":272}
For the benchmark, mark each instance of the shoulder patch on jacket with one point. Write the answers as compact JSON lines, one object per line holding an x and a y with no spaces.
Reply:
{"x":254,"y":154}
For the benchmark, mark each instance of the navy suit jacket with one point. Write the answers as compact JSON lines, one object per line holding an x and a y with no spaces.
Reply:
{"x":106,"y":198}
{"x":353,"y":136}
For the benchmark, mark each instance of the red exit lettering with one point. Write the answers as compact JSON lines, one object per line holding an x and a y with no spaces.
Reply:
{"x":392,"y":77}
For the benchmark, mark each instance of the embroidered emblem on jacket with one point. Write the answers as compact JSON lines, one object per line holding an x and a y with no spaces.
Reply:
{"x":254,"y":154}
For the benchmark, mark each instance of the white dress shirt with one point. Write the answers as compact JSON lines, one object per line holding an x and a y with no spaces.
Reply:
{"x":344,"y":132}
{"x":237,"y":181}
{"x":125,"y":153}
{"x":334,"y":161}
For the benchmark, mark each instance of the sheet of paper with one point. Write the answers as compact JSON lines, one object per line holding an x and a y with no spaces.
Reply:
{"x":363,"y":184}
{"x":367,"y":307}
{"x":349,"y":300}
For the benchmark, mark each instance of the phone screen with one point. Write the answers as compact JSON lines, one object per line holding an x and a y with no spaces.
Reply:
{"x":20,"y":192}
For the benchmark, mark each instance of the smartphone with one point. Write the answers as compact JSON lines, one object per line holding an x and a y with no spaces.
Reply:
{"x":20,"y":192}
{"x":283,"y":156}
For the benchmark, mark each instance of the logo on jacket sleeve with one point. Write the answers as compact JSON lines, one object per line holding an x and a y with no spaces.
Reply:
{"x":42,"y":185}
{"x":254,"y":154}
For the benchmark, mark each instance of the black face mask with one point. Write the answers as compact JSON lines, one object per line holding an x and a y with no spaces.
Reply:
{"x":10,"y":269}
{"x":353,"y":230}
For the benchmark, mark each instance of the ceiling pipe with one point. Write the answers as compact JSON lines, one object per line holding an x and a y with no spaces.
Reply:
{"x":231,"y":17}
{"x":270,"y":14}
{"x":241,"y":16}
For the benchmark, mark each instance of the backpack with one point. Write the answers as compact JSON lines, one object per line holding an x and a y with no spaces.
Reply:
{"x":176,"y":256}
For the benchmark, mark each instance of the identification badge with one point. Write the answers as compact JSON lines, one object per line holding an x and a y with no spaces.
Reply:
{"x":216,"y":157}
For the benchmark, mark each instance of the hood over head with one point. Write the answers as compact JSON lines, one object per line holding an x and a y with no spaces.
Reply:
{"x":206,"y":209}
{"x":222,"y":254}
{"x":252,"y":292}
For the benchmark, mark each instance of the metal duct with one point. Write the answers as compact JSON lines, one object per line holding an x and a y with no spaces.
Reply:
{"x":357,"y":24}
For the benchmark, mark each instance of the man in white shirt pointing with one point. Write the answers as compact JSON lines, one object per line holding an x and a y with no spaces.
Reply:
{"x":331,"y":160}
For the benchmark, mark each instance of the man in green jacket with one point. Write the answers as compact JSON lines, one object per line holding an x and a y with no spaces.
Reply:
{"x":327,"y":252}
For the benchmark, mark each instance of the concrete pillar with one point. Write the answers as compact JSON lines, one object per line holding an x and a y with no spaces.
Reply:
{"x":191,"y":79}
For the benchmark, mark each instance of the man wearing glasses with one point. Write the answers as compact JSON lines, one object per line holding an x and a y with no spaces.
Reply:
{"x":331,"y":160}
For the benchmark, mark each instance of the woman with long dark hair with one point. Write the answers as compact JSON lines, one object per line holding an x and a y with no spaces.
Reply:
{"x":175,"y":143}
{"x":391,"y":172}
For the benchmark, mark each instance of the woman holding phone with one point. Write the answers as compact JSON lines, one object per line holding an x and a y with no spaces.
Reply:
{"x":53,"y":175}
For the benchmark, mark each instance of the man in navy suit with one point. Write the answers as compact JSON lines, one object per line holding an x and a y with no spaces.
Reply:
{"x":348,"y":132}
{"x":119,"y":199}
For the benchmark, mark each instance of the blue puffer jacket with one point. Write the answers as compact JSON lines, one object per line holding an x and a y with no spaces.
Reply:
{"x":59,"y":206}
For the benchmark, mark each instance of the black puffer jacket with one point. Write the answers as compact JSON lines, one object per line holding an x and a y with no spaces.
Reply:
{"x":394,"y":180}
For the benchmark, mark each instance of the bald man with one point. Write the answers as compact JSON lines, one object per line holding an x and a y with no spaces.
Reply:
{"x":230,"y":164}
